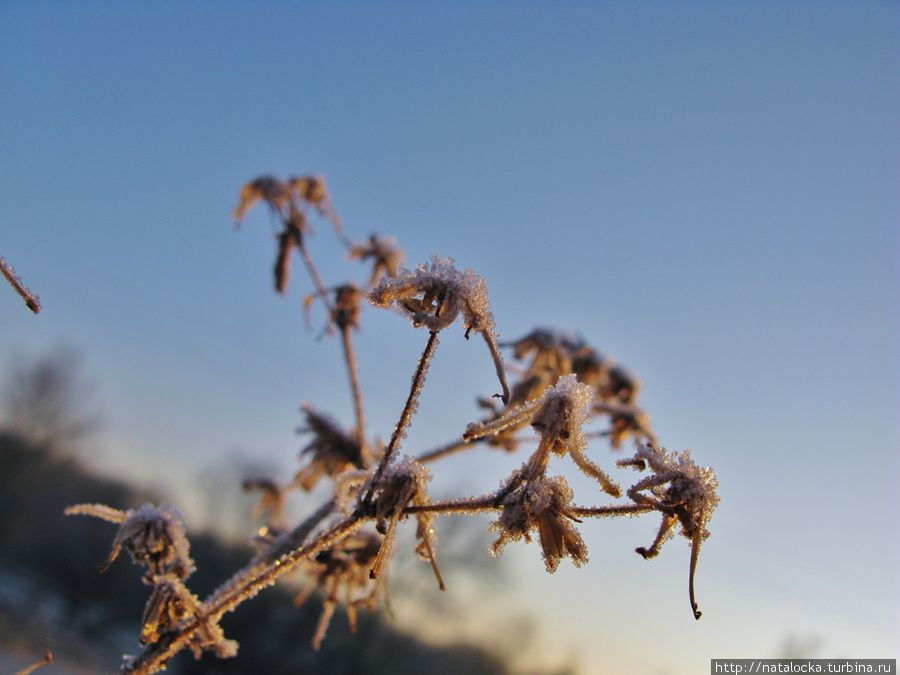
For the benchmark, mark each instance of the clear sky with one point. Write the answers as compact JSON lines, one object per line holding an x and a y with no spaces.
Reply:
{"x":707,"y":191}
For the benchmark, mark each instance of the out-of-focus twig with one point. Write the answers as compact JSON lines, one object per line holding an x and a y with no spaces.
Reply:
{"x":31,"y":299}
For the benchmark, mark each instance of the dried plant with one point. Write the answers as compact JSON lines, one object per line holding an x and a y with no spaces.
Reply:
{"x":345,"y":546}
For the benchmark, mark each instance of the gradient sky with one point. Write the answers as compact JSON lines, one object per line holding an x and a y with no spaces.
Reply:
{"x":708,"y":193}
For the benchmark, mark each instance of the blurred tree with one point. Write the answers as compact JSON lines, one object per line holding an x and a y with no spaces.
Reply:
{"x":44,"y":400}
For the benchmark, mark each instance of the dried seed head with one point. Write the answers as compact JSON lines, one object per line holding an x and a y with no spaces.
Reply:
{"x":557,"y":416}
{"x":154,"y":536}
{"x":332,"y":450}
{"x":691,"y":493}
{"x":341,"y":574}
{"x":543,"y":504}
{"x":626,"y":421}
{"x":437,"y":286}
{"x":385,"y":255}
{"x":684,"y":493}
{"x":435,"y":295}
{"x":619,"y":385}
{"x":269,"y":189}
{"x":170,"y":604}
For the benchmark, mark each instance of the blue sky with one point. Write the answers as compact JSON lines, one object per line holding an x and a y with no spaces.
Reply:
{"x":708,"y":193}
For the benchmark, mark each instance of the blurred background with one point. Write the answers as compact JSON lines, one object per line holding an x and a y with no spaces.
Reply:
{"x":707,"y":193}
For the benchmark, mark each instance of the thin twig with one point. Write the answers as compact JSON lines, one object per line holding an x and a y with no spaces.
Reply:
{"x":48,"y":658}
{"x":314,"y":275}
{"x":406,"y":414}
{"x":491,"y":343}
{"x":611,"y":510}
{"x":456,"y":506}
{"x":353,"y":372}
{"x":31,"y":300}
{"x":449,"y":449}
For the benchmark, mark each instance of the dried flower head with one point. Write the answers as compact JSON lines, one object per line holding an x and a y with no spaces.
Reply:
{"x":269,"y":189}
{"x":332,"y":450}
{"x":403,"y":484}
{"x":434,"y":295}
{"x":683,"y":492}
{"x":557,"y":416}
{"x":626,"y":421}
{"x":289,"y":202}
{"x":154,"y":536}
{"x":172,"y":604}
{"x":283,"y":197}
{"x":384,"y":253}
{"x":619,"y":385}
{"x":543,"y":504}
{"x":344,"y":567}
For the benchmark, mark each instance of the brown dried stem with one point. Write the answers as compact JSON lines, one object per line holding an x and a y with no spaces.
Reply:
{"x":695,"y":552}
{"x":353,"y":373}
{"x":611,"y":510}
{"x":314,"y":275}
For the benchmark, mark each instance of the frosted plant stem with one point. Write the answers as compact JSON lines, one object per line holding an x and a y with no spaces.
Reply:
{"x":445,"y":450}
{"x":295,"y":538}
{"x":453,"y":507}
{"x":612,"y":510}
{"x":491,"y":343}
{"x":353,"y":373}
{"x":415,"y":389}
{"x":31,"y":300}
{"x":158,"y":654}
